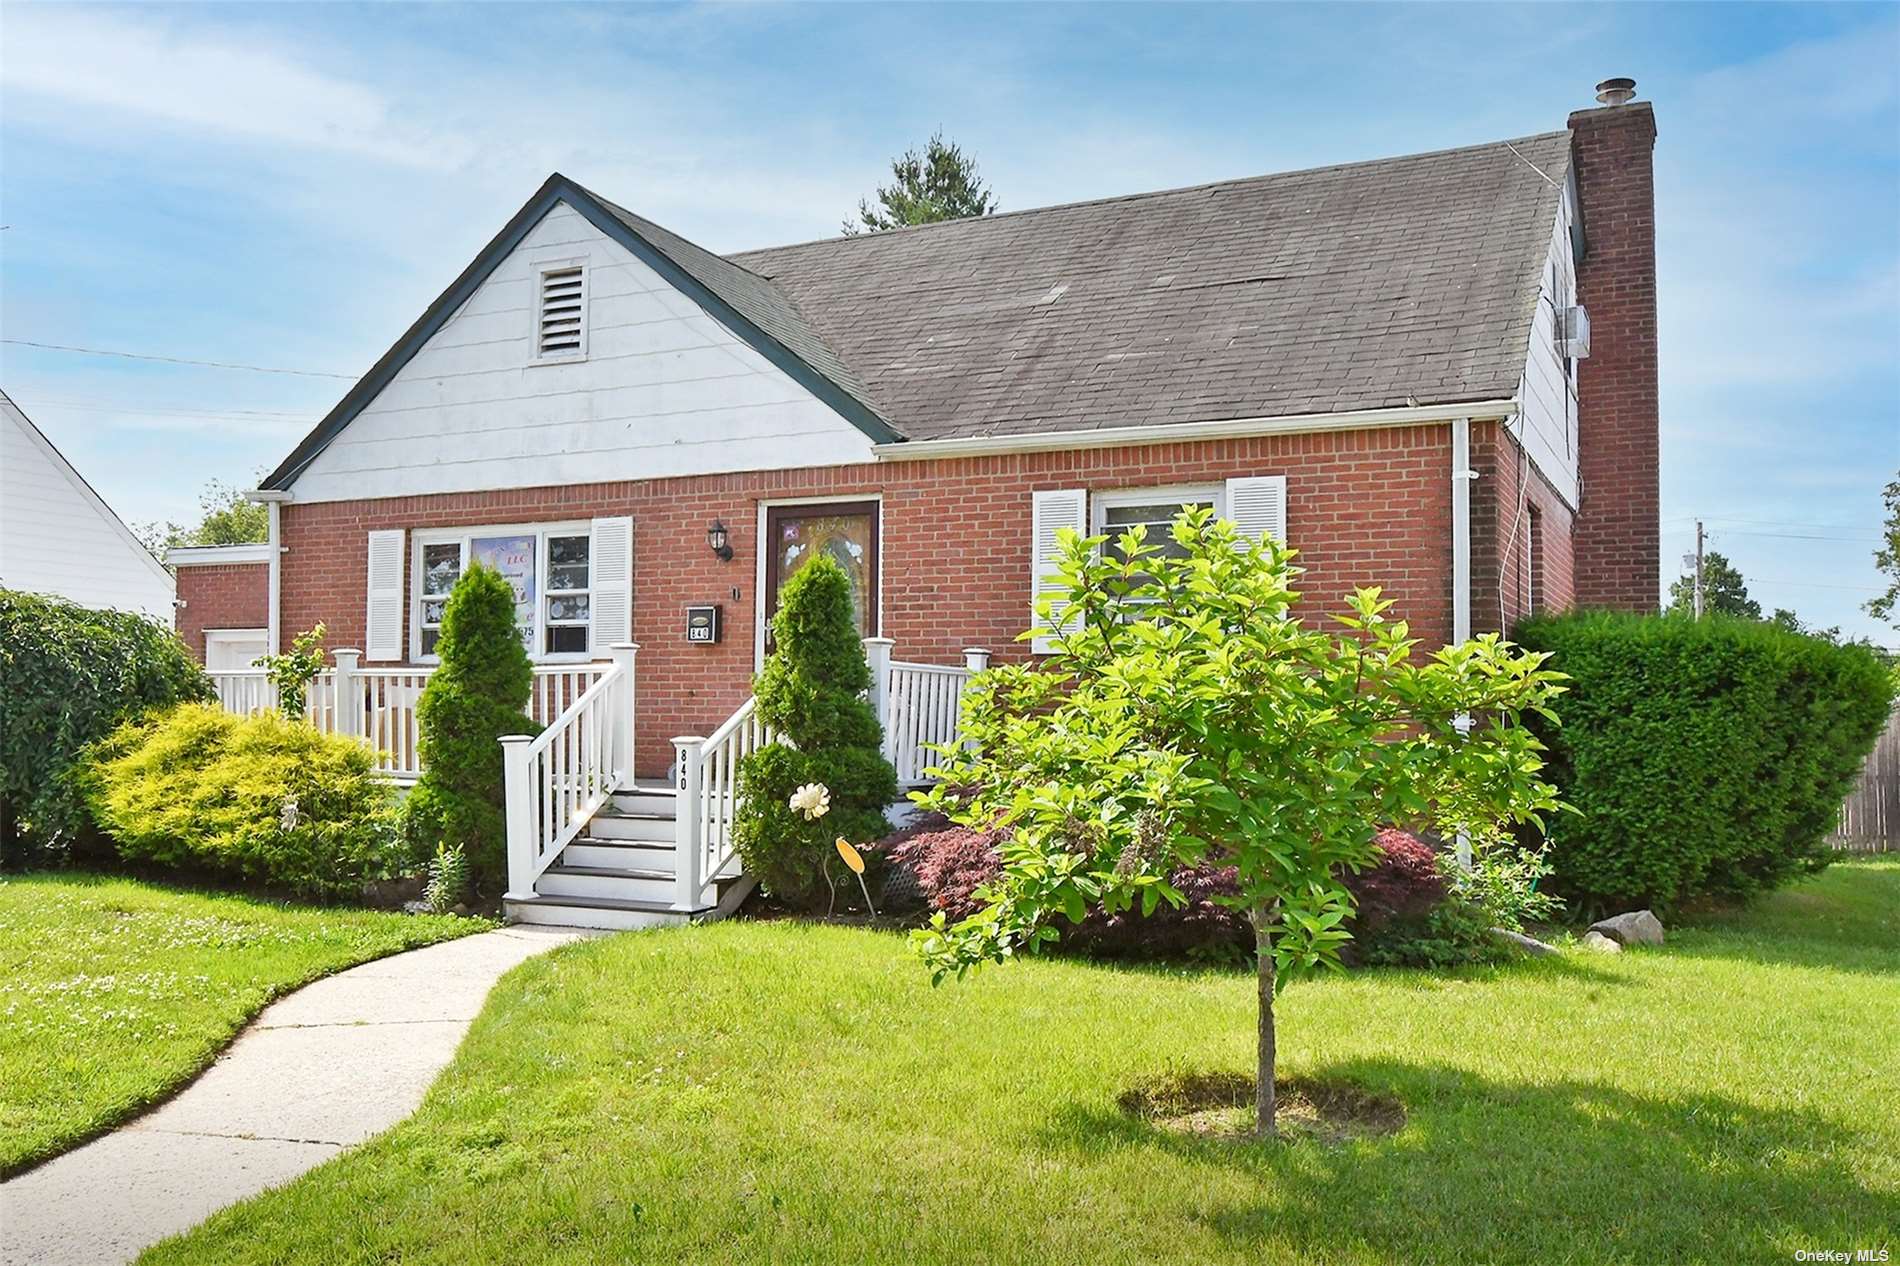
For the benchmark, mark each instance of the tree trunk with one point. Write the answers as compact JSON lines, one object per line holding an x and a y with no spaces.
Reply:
{"x":1265,"y":1102}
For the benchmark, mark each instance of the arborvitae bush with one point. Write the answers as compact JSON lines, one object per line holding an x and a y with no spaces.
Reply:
{"x":261,"y":799}
{"x":1705,"y":757}
{"x":811,"y":692}
{"x":479,"y":693}
{"x":68,"y":676}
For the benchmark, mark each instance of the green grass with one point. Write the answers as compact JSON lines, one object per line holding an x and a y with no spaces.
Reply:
{"x":113,"y":993}
{"x":785,"y":1092}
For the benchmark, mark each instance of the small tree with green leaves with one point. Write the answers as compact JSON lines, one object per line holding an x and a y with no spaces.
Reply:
{"x":225,"y":517}
{"x":479,"y":693}
{"x":1188,"y":716}
{"x":293,"y":671}
{"x":1887,"y":557}
{"x":811,"y":692}
{"x":939,"y":184}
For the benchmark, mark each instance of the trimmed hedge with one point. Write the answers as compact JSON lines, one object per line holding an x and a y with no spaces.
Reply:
{"x":1706,"y":758}
{"x":68,"y":676}
{"x":260,"y":799}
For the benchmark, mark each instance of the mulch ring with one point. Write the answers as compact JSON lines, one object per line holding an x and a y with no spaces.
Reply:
{"x":1219,"y":1105}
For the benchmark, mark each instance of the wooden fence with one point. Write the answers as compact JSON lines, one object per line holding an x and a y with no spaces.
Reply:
{"x":1870,"y":816}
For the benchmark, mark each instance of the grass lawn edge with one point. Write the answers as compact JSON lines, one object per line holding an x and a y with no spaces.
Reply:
{"x":176,"y":1085}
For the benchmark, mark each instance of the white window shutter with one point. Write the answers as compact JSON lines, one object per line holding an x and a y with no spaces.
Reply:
{"x":382,"y":626}
{"x":1258,"y":506}
{"x":613,"y":582}
{"x":1051,"y":512}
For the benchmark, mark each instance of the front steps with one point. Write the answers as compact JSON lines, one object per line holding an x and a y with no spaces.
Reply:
{"x":618,"y":874}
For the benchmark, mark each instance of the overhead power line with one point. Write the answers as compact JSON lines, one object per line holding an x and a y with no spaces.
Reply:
{"x":177,"y":360}
{"x":1796,"y":536}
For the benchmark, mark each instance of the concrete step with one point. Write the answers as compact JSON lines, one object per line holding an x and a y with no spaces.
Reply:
{"x":597,"y":912}
{"x":605,"y":882}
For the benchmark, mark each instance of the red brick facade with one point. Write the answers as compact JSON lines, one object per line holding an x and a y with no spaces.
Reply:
{"x":1619,"y":551}
{"x":222,"y":596}
{"x":1521,"y":536}
{"x":1363,"y":507}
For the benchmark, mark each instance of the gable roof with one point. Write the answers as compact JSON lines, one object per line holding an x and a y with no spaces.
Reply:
{"x":755,"y":310}
{"x":26,"y":426}
{"x":1363,"y":286}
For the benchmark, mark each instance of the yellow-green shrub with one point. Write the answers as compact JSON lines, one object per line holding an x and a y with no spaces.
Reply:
{"x":261,"y":799}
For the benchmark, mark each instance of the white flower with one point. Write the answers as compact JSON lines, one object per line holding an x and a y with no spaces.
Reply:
{"x":813,"y":800}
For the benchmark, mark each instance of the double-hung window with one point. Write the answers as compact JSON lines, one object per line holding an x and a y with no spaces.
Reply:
{"x":550,"y":567}
{"x":1154,"y":508}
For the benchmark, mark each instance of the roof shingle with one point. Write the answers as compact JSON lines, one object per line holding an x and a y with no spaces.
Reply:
{"x":1334,"y":289}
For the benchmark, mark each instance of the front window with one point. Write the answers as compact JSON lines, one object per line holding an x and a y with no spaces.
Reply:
{"x":550,"y":570}
{"x":1116,"y":512}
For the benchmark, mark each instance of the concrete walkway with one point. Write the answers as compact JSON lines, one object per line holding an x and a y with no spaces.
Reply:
{"x":327,"y":1067}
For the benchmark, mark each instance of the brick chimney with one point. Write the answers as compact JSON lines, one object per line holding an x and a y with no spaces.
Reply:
{"x":1617,"y":543}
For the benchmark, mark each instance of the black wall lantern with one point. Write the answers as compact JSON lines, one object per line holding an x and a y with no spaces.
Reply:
{"x":717,"y":538}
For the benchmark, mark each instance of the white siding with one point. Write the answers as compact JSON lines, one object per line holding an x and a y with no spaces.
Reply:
{"x":58,"y":537}
{"x":663,"y":390}
{"x":1549,"y":397}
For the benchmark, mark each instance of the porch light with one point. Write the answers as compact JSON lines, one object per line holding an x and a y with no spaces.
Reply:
{"x":717,"y":538}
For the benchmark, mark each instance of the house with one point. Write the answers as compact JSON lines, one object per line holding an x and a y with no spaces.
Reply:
{"x":1435,"y":373}
{"x":223,"y":602}
{"x":57,"y":536}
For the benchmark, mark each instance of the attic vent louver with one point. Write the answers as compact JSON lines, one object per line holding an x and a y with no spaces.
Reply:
{"x":561,"y":317}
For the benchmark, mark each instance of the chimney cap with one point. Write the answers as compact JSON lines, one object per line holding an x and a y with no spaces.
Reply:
{"x":1615,"y":92}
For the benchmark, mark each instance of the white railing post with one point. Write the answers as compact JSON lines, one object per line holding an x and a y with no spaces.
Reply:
{"x":516,"y":771}
{"x":976,"y":658}
{"x":624,"y":654}
{"x":347,"y":701}
{"x":877,"y":653}
{"x":689,"y":752}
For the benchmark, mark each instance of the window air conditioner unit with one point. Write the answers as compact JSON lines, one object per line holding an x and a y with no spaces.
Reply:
{"x":1573,"y":332}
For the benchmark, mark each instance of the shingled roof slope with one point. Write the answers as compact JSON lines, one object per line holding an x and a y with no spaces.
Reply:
{"x":1339,"y":288}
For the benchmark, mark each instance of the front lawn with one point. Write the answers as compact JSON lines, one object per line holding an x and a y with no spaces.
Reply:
{"x":786,"y":1092}
{"x":115,"y":992}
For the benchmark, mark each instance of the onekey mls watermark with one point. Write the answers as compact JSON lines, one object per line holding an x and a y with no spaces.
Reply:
{"x":1843,"y":1255}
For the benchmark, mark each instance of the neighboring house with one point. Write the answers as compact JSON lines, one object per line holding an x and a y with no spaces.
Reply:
{"x":1388,"y":364}
{"x":58,"y":537}
{"x":223,"y":602}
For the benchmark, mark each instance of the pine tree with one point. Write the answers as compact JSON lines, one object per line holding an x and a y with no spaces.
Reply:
{"x":479,"y":693}
{"x":811,"y":692}
{"x":939,"y":184}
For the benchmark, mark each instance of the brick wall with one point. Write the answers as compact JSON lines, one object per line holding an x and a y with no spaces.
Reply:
{"x":1510,"y":566}
{"x":222,"y":596}
{"x":1618,"y":548}
{"x":1364,"y":507}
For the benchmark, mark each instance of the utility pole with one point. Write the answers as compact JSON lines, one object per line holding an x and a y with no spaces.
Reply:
{"x":1698,"y":569}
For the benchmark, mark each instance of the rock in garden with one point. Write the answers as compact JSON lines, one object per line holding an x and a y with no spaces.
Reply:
{"x":1602,"y":944}
{"x":1529,"y":944}
{"x":1638,"y":927}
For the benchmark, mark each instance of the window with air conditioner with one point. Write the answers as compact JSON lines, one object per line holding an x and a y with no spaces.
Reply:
{"x":560,"y":311}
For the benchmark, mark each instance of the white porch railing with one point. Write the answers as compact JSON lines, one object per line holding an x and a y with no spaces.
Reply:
{"x":556,"y":781}
{"x":706,"y":777}
{"x":919,"y":705}
{"x":379,"y":704}
{"x":916,"y":703}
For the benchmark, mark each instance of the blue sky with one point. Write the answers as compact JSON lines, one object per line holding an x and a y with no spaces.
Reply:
{"x":288,"y":186}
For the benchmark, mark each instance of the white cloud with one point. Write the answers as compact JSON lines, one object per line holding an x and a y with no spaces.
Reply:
{"x":167,"y":75}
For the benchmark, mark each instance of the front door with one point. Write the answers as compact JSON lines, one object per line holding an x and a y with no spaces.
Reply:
{"x":845,"y":531}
